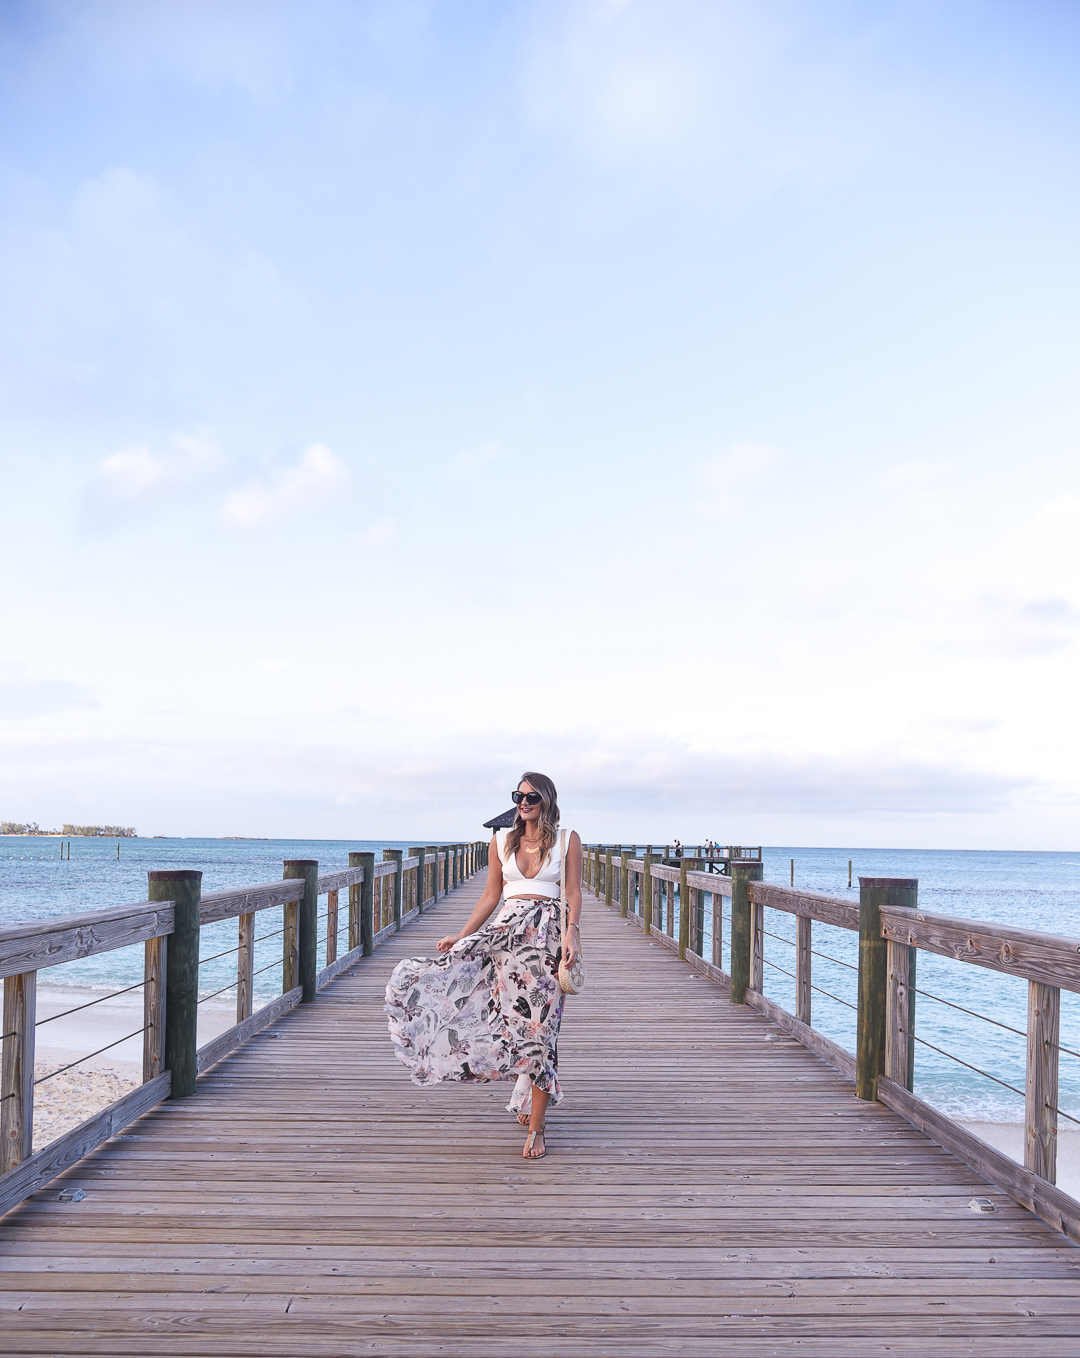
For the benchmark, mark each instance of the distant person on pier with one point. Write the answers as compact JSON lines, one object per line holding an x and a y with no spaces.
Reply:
{"x":490,"y":1007}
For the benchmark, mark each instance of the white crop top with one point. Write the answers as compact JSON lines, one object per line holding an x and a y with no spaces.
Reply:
{"x":546,"y":881}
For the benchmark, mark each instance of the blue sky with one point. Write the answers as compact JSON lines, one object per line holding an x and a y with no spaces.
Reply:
{"x":676,"y":397}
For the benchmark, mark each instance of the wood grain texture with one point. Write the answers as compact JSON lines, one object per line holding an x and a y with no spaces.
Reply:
{"x":1054,"y":1206}
{"x":154,"y":1007}
{"x":711,"y":1188}
{"x":338,"y":881}
{"x":17,"y":1069}
{"x":217,"y":905}
{"x":814,"y":904}
{"x":1050,"y":958}
{"x":1041,"y":1084}
{"x":710,"y":881}
{"x":47,"y":943}
{"x":44,"y":1165}
{"x":212,"y":1052}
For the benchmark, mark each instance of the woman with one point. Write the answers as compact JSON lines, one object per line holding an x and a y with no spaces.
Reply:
{"x":489,"y":1007}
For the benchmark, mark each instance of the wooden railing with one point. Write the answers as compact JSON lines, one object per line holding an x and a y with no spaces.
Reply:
{"x":380,"y":897}
{"x":892,"y":930}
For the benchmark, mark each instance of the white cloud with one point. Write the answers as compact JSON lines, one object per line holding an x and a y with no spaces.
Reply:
{"x":1062,"y":512}
{"x":139,"y":473}
{"x":734,"y":470}
{"x":472,"y":460}
{"x":318,"y":473}
{"x":380,"y":532}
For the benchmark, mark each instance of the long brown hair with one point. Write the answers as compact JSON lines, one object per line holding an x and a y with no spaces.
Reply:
{"x":549,"y":816}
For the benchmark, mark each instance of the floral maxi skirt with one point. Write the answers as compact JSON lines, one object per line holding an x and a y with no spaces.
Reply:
{"x":487,"y":1010}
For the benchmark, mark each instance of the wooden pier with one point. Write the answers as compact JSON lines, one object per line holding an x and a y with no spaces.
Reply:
{"x":712,"y":1188}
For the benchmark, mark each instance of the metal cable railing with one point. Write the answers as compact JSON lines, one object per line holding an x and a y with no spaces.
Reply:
{"x":89,"y":1056}
{"x":214,"y":993}
{"x":827,"y":993}
{"x":89,"y":1003}
{"x":985,"y":1018}
{"x":967,"y":1064}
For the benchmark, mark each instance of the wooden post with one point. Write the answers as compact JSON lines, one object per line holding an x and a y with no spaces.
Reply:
{"x":697,"y":899}
{"x":308,"y":919}
{"x":367,"y":900}
{"x":418,"y":851}
{"x":717,"y":928}
{"x":17,"y":1070}
{"x":803,"y":968}
{"x":624,"y":884}
{"x":757,"y":955}
{"x":290,"y":946}
{"x":647,"y":893}
{"x":900,"y":1005}
{"x":874,"y":892}
{"x":793,"y":872}
{"x":444,"y":883}
{"x":245,"y":967}
{"x":153,"y":1008}
{"x":395,"y":856}
{"x":355,"y":861}
{"x":1044,"y":1034}
{"x":432,"y":852}
{"x":742,"y":874}
{"x":182,"y":886}
{"x":684,"y":910}
{"x":331,"y":926}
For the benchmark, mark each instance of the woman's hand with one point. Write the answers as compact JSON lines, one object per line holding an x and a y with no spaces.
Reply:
{"x":570,"y":946}
{"x":445,"y":944}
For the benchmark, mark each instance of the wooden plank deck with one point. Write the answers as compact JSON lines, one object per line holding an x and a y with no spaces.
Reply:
{"x":711,"y":1189}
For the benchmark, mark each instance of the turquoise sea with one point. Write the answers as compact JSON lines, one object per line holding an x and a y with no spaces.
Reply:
{"x":1031,"y":890}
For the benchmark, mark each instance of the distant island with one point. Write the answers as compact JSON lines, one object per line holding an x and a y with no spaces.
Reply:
{"x":10,"y":827}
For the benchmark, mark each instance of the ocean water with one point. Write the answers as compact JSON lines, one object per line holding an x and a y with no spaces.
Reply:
{"x":1031,"y":890}
{"x":35,"y":882}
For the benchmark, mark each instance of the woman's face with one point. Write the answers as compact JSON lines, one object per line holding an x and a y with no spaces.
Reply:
{"x":529,"y":814}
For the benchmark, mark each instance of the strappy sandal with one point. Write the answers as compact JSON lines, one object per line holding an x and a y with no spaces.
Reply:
{"x":527,"y":1153}
{"x":523,"y":1118}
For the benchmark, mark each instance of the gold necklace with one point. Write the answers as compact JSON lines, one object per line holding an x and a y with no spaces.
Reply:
{"x":529,"y":848}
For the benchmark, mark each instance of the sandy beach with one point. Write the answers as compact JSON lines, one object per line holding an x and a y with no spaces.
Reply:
{"x":1009,"y":1137}
{"x":70,"y":1097}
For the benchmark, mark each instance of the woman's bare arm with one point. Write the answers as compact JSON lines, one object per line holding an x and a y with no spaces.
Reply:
{"x":571,"y":943}
{"x":487,"y":902}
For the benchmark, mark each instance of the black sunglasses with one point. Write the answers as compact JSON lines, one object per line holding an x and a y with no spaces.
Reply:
{"x":531,"y":797}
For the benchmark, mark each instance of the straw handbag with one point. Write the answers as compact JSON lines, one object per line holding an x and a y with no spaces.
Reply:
{"x":571,"y":979}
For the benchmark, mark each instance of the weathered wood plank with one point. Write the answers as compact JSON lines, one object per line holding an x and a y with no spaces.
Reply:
{"x":1048,"y":1202}
{"x":1041,"y":1084}
{"x":339,"y":965}
{"x":45,"y":1164}
{"x":710,"y":881}
{"x":154,"y":960}
{"x":340,"y":879}
{"x":48,"y":942}
{"x":17,"y":1069}
{"x":818,"y":1043}
{"x":1052,"y":959}
{"x":212,"y":1052}
{"x":722,"y":1192}
{"x":218,"y":905}
{"x":834,"y":910}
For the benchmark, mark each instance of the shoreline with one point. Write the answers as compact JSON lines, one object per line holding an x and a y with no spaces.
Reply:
{"x":71,"y":1096}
